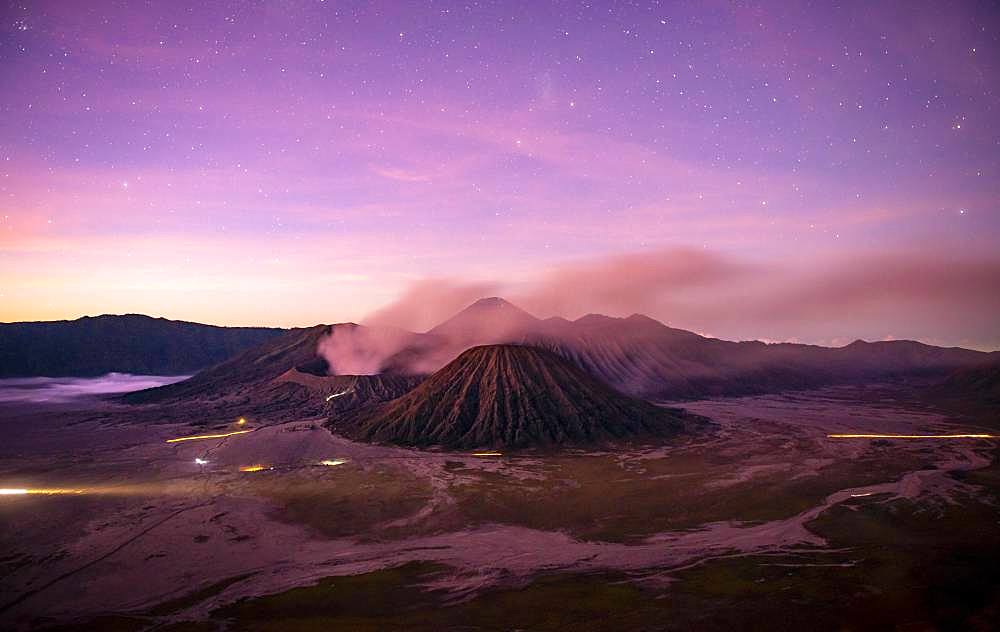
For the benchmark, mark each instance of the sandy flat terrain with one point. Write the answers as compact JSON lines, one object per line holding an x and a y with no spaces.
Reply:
{"x":155,"y":521}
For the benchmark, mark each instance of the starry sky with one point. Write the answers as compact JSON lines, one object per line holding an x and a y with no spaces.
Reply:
{"x":778,"y":170}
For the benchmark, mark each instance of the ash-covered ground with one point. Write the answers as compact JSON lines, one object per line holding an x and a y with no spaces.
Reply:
{"x":765,"y":523}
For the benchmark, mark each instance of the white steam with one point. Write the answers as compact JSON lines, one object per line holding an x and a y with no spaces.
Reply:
{"x":356,"y":350}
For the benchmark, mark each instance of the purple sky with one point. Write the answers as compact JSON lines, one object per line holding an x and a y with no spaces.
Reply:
{"x":298,"y":162}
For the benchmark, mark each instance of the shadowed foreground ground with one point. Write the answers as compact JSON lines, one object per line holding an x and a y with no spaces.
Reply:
{"x":765,"y":524}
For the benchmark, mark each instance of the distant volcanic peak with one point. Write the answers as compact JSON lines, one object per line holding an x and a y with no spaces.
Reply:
{"x":594,"y":319}
{"x":510,"y":396}
{"x":488,"y":320}
{"x":493,"y":302}
{"x":493,"y":305}
{"x":642,"y":319}
{"x":557,"y":320}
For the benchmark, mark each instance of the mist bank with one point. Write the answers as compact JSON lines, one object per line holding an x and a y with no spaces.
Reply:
{"x":67,"y":389}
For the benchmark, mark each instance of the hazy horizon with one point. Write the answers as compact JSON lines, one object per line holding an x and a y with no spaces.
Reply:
{"x":375,"y":320}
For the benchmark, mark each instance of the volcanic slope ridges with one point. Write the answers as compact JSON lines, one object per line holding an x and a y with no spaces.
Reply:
{"x":511,"y":396}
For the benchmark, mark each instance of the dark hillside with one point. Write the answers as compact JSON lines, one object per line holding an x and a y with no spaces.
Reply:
{"x":92,"y":346}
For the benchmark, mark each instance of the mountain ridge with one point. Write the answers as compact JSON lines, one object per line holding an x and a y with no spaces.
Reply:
{"x":636,"y":355}
{"x":90,"y":346}
{"x":643,"y":357}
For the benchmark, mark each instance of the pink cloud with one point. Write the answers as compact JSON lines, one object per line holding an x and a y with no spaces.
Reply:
{"x":929,"y":295}
{"x":428,"y":302}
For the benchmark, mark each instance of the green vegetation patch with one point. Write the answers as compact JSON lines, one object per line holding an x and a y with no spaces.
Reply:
{"x":891,"y":565}
{"x":196,"y":597}
{"x":611,"y":499}
{"x":391,"y":599}
{"x":348,"y":500}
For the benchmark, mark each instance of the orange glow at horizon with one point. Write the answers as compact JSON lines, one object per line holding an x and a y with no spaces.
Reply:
{"x":168,"y":274}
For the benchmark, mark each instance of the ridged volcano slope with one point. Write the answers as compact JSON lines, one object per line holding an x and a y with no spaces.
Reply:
{"x":263,"y":363}
{"x":344,"y":392}
{"x":511,"y":396}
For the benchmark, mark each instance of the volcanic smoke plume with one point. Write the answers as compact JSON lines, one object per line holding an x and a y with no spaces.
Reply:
{"x":427,"y":303}
{"x":357,"y":350}
{"x":828,"y":299}
{"x":365,"y":350}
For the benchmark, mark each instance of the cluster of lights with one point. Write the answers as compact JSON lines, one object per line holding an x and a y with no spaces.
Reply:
{"x":24,"y":491}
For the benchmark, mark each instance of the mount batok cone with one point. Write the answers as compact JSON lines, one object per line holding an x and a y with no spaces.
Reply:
{"x":511,"y":396}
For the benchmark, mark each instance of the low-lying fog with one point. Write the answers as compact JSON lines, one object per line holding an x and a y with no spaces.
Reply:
{"x":66,"y":389}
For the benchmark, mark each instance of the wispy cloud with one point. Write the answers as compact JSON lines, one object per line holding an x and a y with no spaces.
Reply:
{"x":905,"y":294}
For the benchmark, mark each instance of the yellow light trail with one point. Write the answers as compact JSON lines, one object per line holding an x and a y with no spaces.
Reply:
{"x":487,"y":454}
{"x":21,"y":491}
{"x":332,"y":462}
{"x":909,"y":436}
{"x":253,"y":468}
{"x":209,"y":436}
